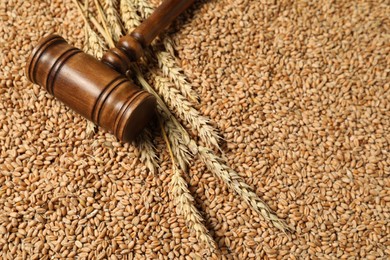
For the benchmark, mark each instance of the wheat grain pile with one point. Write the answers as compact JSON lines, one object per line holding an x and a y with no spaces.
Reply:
{"x":299,"y":92}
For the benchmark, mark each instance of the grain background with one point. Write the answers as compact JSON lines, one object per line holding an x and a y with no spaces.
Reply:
{"x":300,"y":93}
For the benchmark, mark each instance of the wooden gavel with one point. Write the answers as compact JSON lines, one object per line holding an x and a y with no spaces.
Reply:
{"x":99,"y":90}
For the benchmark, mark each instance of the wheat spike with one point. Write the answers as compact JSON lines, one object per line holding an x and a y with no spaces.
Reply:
{"x":129,"y":14}
{"x":113,"y":20}
{"x":185,"y":206}
{"x":169,"y":45}
{"x":94,"y":45}
{"x":179,"y":147}
{"x":172,"y":70}
{"x":185,"y":202}
{"x":236,"y":183}
{"x":144,"y":7}
{"x":145,"y":145}
{"x":90,"y":128}
{"x":178,"y":137}
{"x":186,"y":111}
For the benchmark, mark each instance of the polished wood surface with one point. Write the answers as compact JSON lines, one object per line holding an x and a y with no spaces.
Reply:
{"x":89,"y":87}
{"x":159,"y":20}
{"x":98,"y":90}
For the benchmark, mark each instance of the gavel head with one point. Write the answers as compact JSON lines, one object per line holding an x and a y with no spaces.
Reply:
{"x":90,"y":87}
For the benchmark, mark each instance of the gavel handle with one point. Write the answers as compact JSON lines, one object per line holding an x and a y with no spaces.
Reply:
{"x":159,"y":20}
{"x":131,"y":47}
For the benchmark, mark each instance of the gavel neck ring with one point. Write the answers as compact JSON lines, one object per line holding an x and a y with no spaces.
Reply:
{"x":128,"y":50}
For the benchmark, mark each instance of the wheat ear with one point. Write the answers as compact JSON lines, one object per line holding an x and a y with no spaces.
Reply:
{"x":94,"y":45}
{"x":185,"y":202}
{"x":169,"y":45}
{"x":214,"y":163}
{"x":172,"y":70}
{"x":236,"y":183}
{"x":186,"y":111}
{"x":145,"y":145}
{"x":179,"y":148}
{"x":113,"y":19}
{"x":177,"y":136}
{"x":129,"y":15}
{"x":144,"y":7}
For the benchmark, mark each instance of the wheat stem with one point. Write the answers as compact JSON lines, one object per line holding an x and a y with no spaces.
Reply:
{"x":81,"y":11}
{"x":92,"y":36}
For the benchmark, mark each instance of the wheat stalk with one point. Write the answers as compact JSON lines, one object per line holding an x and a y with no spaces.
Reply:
{"x":129,"y":15}
{"x":236,"y":183}
{"x":185,"y":202}
{"x":113,"y":19}
{"x":186,"y":111}
{"x":106,"y":30}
